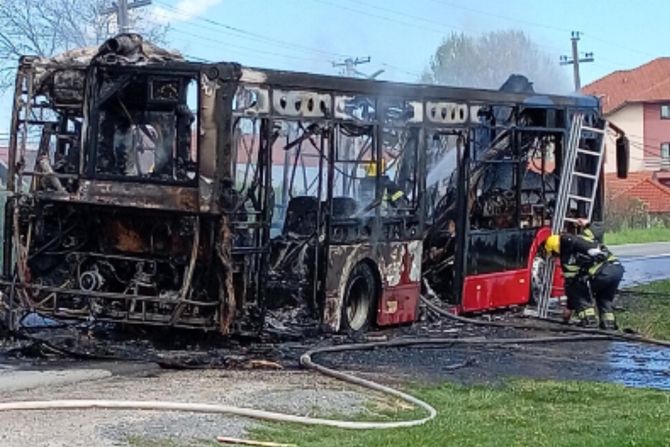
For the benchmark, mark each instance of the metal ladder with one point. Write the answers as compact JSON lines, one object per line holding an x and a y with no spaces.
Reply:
{"x":572,"y":178}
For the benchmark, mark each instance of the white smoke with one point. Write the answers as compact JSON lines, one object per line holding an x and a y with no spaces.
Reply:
{"x":442,"y":170}
{"x":183,"y":11}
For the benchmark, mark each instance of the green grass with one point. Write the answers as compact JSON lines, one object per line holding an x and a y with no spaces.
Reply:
{"x":527,"y":412}
{"x":638,"y":236}
{"x":648,"y":314}
{"x":518,"y":413}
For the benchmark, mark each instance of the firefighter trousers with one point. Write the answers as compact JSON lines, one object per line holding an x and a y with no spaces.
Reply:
{"x":605,"y":285}
{"x":578,"y":294}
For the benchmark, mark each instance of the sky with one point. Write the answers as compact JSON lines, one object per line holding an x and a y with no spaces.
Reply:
{"x":400,"y":35}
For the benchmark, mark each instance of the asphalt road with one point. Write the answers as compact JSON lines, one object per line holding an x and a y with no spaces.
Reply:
{"x":644,"y":262}
{"x":642,"y":250}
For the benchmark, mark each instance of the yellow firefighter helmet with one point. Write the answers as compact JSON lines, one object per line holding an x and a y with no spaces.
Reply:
{"x":553,"y":244}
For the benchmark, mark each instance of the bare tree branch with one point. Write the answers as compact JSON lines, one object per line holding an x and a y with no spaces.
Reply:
{"x":48,"y":27}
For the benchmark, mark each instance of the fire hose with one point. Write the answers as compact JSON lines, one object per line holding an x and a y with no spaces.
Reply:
{"x":560,"y":327}
{"x":306,"y":360}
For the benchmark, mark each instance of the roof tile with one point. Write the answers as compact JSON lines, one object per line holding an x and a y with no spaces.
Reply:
{"x":646,"y":83}
{"x":643,"y":186}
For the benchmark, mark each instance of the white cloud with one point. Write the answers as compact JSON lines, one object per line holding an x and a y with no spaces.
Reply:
{"x":183,"y":10}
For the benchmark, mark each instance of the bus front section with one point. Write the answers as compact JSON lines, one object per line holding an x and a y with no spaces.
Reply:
{"x":112,"y":212}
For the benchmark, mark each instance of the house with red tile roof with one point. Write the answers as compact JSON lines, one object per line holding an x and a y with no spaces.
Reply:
{"x":643,"y":186}
{"x":638,"y":101}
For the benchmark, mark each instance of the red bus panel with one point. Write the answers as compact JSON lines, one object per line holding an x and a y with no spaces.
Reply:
{"x":491,"y":290}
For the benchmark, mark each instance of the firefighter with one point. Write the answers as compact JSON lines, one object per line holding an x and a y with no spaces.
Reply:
{"x":585,"y":230}
{"x":392,"y":193}
{"x":589,"y":269}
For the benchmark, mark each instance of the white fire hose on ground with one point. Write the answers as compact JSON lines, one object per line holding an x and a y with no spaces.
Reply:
{"x":307,"y":362}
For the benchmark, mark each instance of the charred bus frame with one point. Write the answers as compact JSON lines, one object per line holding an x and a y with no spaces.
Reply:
{"x":188,"y":239}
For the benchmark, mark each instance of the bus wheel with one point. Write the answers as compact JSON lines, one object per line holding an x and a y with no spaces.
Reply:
{"x":536,"y":278}
{"x":359,"y":299}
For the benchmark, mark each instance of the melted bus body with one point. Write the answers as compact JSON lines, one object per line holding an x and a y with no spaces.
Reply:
{"x":165,"y":192}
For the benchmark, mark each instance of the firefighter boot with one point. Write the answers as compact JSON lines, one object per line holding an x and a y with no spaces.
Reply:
{"x":567,"y":315}
{"x":608,"y":322}
{"x":587,"y":318}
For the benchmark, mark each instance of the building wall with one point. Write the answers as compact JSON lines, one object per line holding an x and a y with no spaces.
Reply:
{"x":656,"y":130}
{"x":631,"y":120}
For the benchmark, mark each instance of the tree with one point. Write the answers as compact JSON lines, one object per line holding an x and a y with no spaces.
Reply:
{"x":48,"y":27}
{"x":488,"y":60}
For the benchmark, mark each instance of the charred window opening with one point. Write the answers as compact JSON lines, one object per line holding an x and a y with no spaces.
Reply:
{"x":355,"y":168}
{"x":513,"y":181}
{"x":539,"y":179}
{"x":299,"y":176}
{"x":399,"y":179}
{"x":493,"y":184}
{"x":144,"y":128}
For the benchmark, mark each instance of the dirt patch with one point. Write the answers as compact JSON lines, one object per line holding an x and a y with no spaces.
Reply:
{"x":294,"y":392}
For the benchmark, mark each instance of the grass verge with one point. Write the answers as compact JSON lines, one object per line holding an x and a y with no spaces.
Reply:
{"x":527,"y":412}
{"x":647,"y":313}
{"x":638,"y":236}
{"x":519,"y":413}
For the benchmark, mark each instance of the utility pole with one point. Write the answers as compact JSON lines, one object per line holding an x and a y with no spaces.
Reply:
{"x":565,"y":60}
{"x":349,"y":66}
{"x":121,"y":9}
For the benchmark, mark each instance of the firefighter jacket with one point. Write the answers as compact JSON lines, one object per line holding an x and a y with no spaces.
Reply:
{"x":582,"y":257}
{"x":588,"y":235}
{"x":392,"y":192}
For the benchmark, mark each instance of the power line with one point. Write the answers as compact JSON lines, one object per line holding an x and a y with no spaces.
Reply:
{"x":500,"y":16}
{"x":241,"y":47}
{"x":440,"y":31}
{"x":378,"y":16}
{"x":239,"y":32}
{"x":251,"y":34}
{"x":441,"y":24}
{"x":227,"y":44}
{"x":544,"y":25}
{"x":405,"y":14}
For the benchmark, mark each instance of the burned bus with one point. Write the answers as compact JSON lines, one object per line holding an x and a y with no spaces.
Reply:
{"x":146,"y":189}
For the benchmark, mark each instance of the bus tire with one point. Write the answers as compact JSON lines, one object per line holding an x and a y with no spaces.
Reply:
{"x":360,"y":300}
{"x":537,"y":267}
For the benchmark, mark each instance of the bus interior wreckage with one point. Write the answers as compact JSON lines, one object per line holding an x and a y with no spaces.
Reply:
{"x":173,"y":193}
